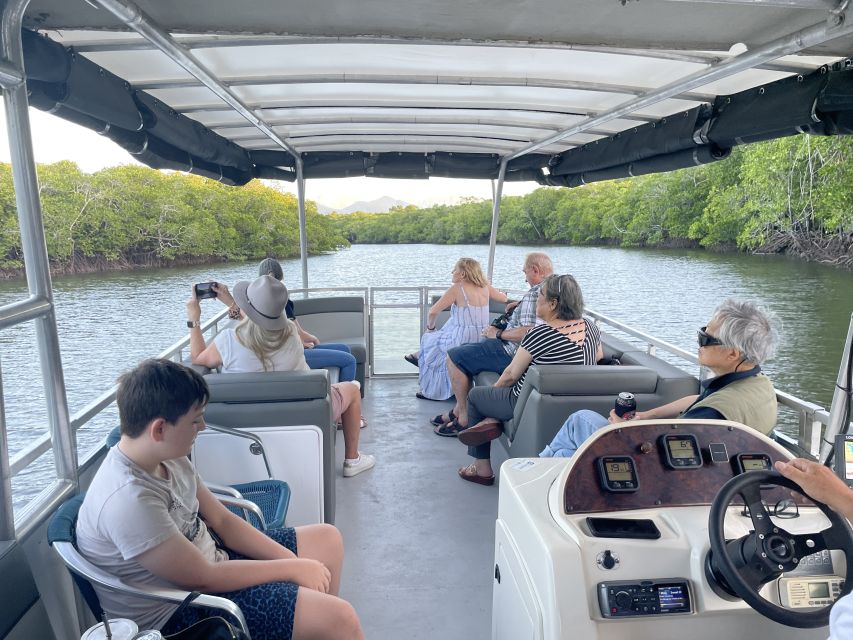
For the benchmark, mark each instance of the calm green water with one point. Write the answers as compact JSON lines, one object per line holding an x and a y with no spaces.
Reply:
{"x":108,"y":322}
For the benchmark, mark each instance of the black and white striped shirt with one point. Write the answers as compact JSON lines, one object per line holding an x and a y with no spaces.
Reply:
{"x":549,"y":346}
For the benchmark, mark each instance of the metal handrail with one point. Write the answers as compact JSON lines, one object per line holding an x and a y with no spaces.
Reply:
{"x":812,"y":417}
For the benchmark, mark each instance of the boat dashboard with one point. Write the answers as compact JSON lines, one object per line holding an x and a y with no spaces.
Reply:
{"x":614,"y":542}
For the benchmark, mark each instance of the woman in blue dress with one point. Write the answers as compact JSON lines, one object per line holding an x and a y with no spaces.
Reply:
{"x":468,"y":299}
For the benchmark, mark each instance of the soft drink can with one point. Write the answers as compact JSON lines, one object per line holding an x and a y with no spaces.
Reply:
{"x":626,"y":405}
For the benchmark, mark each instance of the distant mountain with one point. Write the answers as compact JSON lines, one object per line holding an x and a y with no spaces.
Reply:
{"x":380,"y":205}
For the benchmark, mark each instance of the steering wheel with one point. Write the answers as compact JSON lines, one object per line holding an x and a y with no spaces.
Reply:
{"x":765,"y":553}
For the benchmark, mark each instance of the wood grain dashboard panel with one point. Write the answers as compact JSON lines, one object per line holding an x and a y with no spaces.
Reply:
{"x":661,"y":486}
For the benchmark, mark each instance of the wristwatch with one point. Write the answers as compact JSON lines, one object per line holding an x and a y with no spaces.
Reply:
{"x":193,"y":324}
{"x":499,"y":333}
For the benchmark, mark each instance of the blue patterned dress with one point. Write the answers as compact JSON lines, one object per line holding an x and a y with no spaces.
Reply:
{"x":465,"y":325}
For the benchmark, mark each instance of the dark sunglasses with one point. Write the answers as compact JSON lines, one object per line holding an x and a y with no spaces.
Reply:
{"x":706,"y":339}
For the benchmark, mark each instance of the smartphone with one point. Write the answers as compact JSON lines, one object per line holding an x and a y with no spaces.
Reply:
{"x":205,"y":290}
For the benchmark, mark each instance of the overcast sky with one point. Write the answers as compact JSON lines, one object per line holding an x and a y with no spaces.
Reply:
{"x":55,"y":139}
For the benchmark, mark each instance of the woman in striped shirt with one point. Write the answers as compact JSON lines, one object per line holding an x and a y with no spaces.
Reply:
{"x":564,"y":337}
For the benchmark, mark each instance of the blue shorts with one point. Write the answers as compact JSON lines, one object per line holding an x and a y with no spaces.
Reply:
{"x":269,"y":608}
{"x":476,"y":357}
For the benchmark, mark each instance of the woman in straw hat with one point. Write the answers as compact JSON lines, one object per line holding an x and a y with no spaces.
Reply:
{"x":266,"y":340}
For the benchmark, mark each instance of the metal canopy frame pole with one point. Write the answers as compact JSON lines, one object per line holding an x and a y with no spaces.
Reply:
{"x":33,"y":246}
{"x":7,"y":513}
{"x":136,"y":19}
{"x":840,"y":398}
{"x":303,"y":232}
{"x":835,"y":26}
{"x":497,"y":192}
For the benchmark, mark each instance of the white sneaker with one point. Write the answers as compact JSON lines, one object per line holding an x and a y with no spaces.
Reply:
{"x":365,"y":462}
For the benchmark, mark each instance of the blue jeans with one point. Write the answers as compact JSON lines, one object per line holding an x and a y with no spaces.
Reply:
{"x":476,"y":357}
{"x":578,"y":427}
{"x":332,"y":354}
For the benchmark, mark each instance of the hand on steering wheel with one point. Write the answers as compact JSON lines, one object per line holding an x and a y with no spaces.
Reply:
{"x":755,"y":559}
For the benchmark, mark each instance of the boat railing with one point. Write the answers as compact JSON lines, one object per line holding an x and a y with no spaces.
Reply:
{"x":811,"y":418}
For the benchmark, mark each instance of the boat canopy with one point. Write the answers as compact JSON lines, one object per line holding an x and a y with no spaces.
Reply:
{"x":560,"y":92}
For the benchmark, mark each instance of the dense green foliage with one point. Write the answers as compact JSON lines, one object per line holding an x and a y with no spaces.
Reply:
{"x":767,"y":195}
{"x":135,"y":215}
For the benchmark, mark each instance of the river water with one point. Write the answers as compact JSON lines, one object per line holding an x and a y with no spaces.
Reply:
{"x":108,"y":322}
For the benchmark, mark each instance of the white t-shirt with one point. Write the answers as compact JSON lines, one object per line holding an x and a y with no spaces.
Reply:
{"x":841,"y":619}
{"x":127,"y":512}
{"x":239,"y":359}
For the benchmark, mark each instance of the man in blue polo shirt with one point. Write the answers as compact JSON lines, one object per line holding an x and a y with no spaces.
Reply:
{"x":738,"y":339}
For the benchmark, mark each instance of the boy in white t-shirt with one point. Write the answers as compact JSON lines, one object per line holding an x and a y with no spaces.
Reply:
{"x":147,"y":518}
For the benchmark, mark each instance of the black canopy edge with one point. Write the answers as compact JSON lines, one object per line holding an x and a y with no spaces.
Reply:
{"x":72,"y":87}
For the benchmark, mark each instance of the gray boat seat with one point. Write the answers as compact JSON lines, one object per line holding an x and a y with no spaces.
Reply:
{"x":339,"y":319}
{"x":278,"y":398}
{"x":553,"y":392}
{"x":23,"y":615}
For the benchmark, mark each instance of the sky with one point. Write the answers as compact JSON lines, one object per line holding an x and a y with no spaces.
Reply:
{"x":55,"y":139}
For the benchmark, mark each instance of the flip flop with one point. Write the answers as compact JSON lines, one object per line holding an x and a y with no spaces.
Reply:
{"x":439,"y":419}
{"x":411,"y":358}
{"x":449,"y":429}
{"x":469,"y":473}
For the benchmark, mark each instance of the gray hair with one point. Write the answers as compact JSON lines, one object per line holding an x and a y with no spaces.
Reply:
{"x":747,"y":327}
{"x":567,"y":292}
{"x":271,"y":267}
{"x":541,"y":261}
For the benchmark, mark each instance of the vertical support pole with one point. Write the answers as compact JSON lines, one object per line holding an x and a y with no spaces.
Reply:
{"x":496,"y":214}
{"x":303,"y":232}
{"x":7,"y":514}
{"x":33,"y":244}
{"x":840,"y":399}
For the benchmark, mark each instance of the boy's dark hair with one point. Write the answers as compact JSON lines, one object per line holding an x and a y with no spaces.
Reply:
{"x":157,"y":388}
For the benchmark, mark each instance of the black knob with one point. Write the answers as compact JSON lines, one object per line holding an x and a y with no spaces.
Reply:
{"x":608,"y":560}
{"x":623,"y":600}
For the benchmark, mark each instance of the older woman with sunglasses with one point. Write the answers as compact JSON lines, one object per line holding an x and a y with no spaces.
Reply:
{"x":739,"y":338}
{"x":564,"y":337}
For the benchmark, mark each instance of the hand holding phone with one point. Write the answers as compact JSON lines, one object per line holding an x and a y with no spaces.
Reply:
{"x":204,"y":290}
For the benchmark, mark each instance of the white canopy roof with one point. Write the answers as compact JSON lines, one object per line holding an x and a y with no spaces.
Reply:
{"x":437,"y":75}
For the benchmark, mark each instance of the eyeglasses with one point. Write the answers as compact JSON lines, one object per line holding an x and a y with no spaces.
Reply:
{"x":786,"y":509}
{"x":706,"y":339}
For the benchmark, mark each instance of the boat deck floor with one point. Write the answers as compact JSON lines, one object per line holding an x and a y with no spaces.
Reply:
{"x":419,"y":540}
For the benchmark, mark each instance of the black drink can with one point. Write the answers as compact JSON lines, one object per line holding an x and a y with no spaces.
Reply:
{"x":626,"y":405}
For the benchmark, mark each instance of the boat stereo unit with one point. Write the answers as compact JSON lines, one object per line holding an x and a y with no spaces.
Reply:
{"x":844,"y":457}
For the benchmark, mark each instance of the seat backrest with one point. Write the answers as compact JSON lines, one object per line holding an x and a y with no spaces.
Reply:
{"x":273,"y":398}
{"x":332,"y":319}
{"x":22,"y":615}
{"x":62,"y":528}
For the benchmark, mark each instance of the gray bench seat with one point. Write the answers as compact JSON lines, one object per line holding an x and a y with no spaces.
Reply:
{"x":339,"y":319}
{"x":552,"y":392}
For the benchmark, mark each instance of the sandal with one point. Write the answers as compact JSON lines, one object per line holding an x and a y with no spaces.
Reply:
{"x":470,"y":474}
{"x":448,"y":429}
{"x":439,"y":419}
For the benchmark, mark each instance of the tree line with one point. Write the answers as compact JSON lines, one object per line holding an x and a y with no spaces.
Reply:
{"x":128,"y":215}
{"x":791,"y":195}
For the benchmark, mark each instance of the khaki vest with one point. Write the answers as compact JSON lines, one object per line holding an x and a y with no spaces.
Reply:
{"x":750,"y":401}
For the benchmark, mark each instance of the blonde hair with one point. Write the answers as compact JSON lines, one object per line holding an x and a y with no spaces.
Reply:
{"x":262,"y":342}
{"x":472,"y":272}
